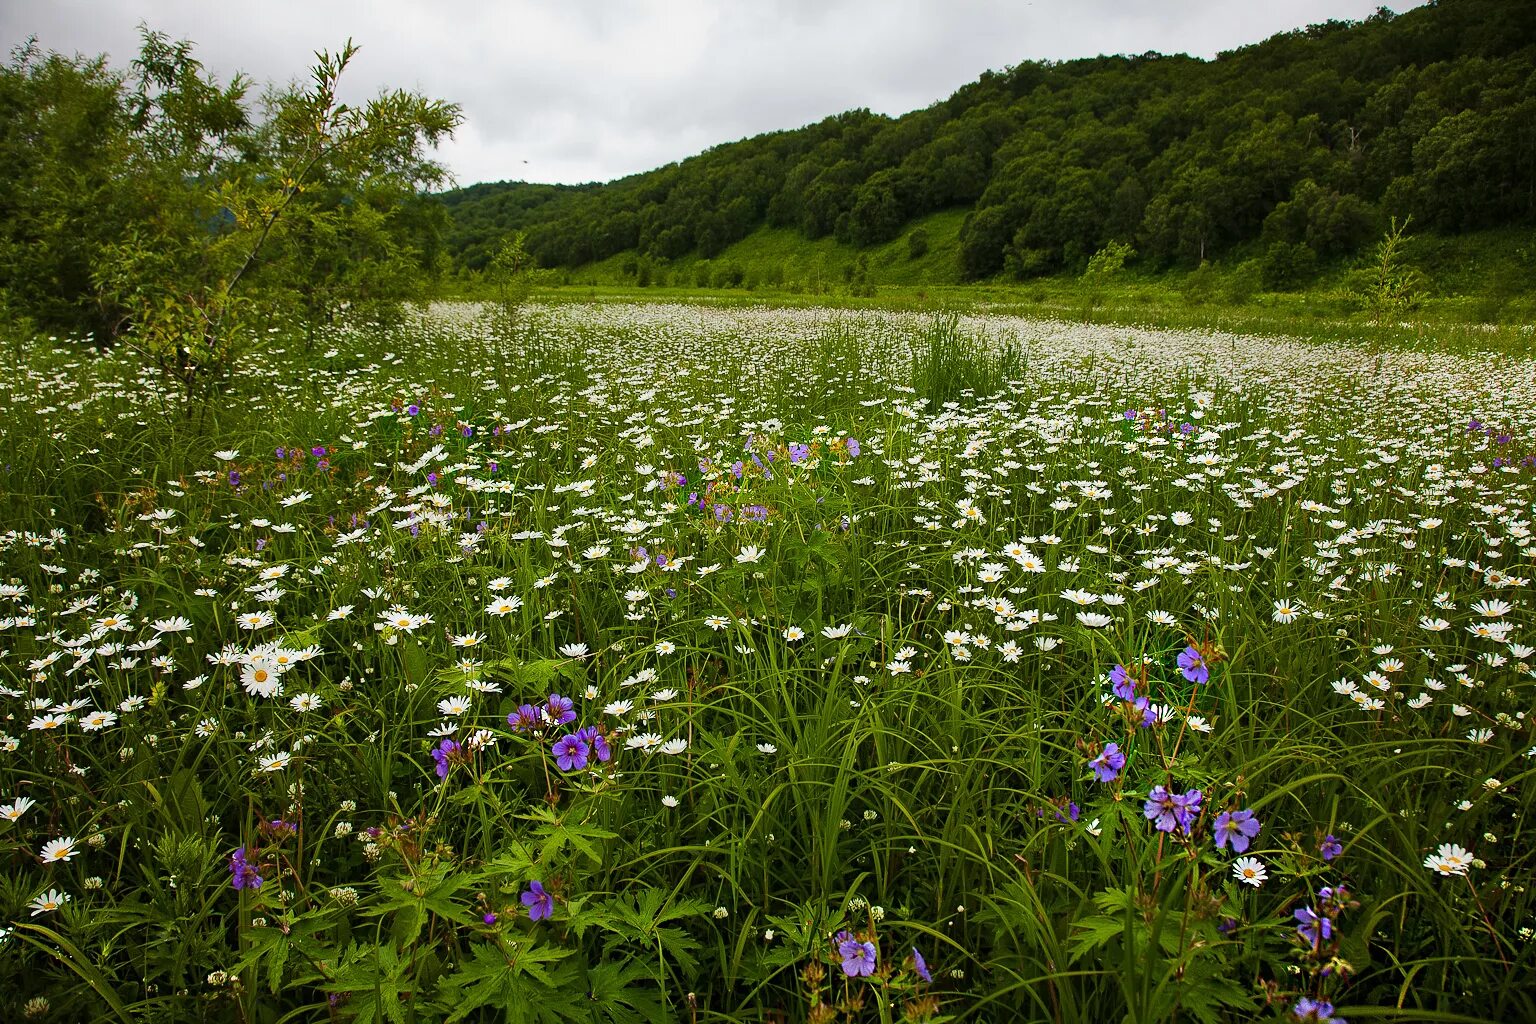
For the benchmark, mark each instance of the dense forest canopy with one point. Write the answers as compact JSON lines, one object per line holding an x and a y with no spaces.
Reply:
{"x":1310,"y":140}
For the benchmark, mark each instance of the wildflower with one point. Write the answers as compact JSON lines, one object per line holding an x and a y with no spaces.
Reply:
{"x":1330,"y":847}
{"x":1449,"y":859}
{"x":1236,"y":827}
{"x":243,"y":875}
{"x":559,"y":710}
{"x":920,"y":965}
{"x":56,"y":850}
{"x":1107,"y":765}
{"x":526,"y":718}
{"x":1193,"y":666}
{"x":540,"y":903}
{"x":261,"y":678}
{"x":1249,"y":871}
{"x":750,"y":554}
{"x":442,"y":754}
{"x":858,"y":957}
{"x":98,"y":720}
{"x":275,"y":763}
{"x":16,"y":808}
{"x":597,"y":742}
{"x":1315,"y":929}
{"x":254,"y":620}
{"x":504,"y":606}
{"x":1169,"y":810}
{"x":570,"y":753}
{"x":1316,"y":1011}
{"x":48,"y":901}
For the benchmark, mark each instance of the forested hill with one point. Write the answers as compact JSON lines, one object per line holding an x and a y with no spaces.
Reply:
{"x":1311,"y":138}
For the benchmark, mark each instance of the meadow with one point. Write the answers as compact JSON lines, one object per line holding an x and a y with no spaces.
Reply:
{"x":725,"y":662}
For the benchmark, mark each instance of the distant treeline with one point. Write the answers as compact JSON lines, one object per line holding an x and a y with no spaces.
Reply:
{"x":1310,"y":139}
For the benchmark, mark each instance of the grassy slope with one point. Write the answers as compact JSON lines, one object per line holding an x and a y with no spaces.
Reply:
{"x":802,"y":264}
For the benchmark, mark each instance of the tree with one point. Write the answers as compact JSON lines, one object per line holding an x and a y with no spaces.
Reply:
{"x":207,"y":211}
{"x":1391,"y":285}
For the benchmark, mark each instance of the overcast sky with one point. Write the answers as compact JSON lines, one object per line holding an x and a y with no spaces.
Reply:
{"x":591,"y":90}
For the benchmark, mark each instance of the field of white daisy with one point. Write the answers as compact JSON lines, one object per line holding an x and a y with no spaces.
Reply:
{"x":755,"y":664}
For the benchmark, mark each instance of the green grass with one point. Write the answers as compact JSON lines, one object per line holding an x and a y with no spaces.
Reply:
{"x":875,"y":662}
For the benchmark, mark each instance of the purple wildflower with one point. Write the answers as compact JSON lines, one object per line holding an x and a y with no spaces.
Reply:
{"x":1331,"y":847}
{"x":443,"y":754}
{"x":1192,"y":665}
{"x":559,"y":709}
{"x":570,"y":753}
{"x":853,"y":453}
{"x":1187,"y":808}
{"x":243,"y":874}
{"x":1316,"y":930}
{"x":1124,"y":686}
{"x":920,"y":965}
{"x":1106,"y":767}
{"x":1159,"y":809}
{"x":526,"y":718}
{"x":597,"y":742}
{"x":858,"y":957}
{"x":540,"y":904}
{"x":1318,"y":1011}
{"x":1169,"y":810}
{"x":1236,"y":827}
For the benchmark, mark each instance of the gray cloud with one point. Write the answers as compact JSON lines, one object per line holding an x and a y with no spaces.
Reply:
{"x":582,"y":90}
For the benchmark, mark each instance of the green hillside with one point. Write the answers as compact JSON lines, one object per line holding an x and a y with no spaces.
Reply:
{"x":1297,"y":150}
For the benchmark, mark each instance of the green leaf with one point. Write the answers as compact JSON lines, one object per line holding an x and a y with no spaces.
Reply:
{"x":621,"y":993}
{"x":512,"y":977}
{"x":1093,"y":932}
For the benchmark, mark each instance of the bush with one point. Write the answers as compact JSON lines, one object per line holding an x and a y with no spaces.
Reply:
{"x":917,"y":244}
{"x":1287,"y":266}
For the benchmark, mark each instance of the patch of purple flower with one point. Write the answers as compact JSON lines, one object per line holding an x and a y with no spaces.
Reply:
{"x":525,"y":719}
{"x":1124,"y":686}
